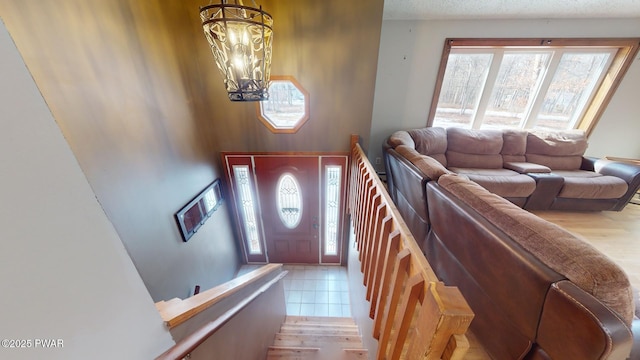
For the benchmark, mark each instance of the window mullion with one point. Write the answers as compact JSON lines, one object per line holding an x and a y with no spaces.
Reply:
{"x":532,"y":117}
{"x":494,"y":69}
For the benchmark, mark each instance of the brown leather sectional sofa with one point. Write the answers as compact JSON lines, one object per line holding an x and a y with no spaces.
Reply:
{"x":534,"y":170}
{"x":537,"y":291}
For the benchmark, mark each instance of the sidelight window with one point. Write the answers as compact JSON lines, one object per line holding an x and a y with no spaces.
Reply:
{"x":247,"y":206}
{"x":332,"y":208}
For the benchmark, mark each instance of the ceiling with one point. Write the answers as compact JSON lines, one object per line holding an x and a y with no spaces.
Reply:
{"x":509,"y":9}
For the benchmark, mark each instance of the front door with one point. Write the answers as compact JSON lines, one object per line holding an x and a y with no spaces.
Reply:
{"x":289,"y":208}
{"x":289,"y":198}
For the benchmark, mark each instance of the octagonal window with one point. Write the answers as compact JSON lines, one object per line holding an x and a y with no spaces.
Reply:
{"x":288,"y":106}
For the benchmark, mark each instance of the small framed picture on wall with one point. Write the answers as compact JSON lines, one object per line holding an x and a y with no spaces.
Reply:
{"x":193,"y":215}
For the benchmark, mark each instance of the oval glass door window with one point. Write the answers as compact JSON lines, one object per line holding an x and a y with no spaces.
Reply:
{"x":287,"y":108}
{"x":289,"y":201}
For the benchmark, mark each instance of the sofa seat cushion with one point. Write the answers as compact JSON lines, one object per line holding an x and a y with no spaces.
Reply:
{"x":503,"y":182}
{"x":567,"y":162}
{"x":561,"y":251}
{"x":582,"y":184}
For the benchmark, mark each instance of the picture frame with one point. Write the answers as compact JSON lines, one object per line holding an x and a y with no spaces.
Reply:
{"x":193,"y":215}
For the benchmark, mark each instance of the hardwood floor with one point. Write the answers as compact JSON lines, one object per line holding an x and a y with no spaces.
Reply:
{"x":617,"y":234}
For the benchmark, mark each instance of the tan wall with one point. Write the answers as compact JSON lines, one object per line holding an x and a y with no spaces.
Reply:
{"x":135,"y":90}
{"x":64,"y":273}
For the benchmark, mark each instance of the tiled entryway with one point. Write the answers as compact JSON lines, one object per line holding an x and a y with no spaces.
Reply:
{"x":317,"y":290}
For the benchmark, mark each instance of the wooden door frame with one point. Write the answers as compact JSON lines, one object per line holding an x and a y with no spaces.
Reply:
{"x":237,"y":217}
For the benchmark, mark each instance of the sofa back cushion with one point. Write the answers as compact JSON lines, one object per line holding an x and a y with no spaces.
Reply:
{"x":559,"y":150}
{"x":431,"y":141}
{"x":474,"y":148}
{"x":514,"y":145}
{"x":561,"y":251}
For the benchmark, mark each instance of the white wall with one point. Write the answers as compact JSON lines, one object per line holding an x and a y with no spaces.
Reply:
{"x":64,"y":273}
{"x":410,"y":53}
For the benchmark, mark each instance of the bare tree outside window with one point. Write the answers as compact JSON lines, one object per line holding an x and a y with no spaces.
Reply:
{"x":553,"y":84}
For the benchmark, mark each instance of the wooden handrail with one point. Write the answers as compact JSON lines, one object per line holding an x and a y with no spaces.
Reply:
{"x":415,"y":315}
{"x":176,"y":311}
{"x":192,"y":341}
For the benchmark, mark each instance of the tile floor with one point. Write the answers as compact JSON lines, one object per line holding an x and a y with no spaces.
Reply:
{"x":317,"y":290}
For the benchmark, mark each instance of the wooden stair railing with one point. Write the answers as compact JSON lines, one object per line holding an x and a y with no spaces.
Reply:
{"x":415,"y":315}
{"x":177,"y":311}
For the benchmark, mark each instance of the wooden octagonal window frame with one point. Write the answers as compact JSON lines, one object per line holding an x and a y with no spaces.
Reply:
{"x":282,"y":125}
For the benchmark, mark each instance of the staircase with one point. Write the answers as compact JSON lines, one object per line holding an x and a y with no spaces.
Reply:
{"x":317,"y":338}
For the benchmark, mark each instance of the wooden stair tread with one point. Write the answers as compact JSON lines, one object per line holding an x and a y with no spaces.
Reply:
{"x":318,"y":320}
{"x":292,"y":353}
{"x":318,"y":338}
{"x":319,"y":331}
{"x":319,"y":326}
{"x":294,"y":348}
{"x":355,"y":354}
{"x":336,"y":325}
{"x":315,"y":339}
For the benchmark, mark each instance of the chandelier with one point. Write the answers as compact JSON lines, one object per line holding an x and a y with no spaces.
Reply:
{"x":240,"y":38}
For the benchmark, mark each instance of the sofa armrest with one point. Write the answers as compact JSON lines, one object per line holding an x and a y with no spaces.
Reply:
{"x":628,"y":172}
{"x":548,"y":187}
{"x":526,"y":167}
{"x":409,"y":193}
{"x":385,"y":159}
{"x":575,"y":325}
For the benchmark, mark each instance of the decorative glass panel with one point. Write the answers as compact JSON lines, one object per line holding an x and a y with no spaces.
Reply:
{"x":289,"y":201}
{"x":332,"y":209}
{"x":247,"y":208}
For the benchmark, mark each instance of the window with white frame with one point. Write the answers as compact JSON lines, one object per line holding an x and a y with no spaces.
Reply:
{"x":552,"y":84}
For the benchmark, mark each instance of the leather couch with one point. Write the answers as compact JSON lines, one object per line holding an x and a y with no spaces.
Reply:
{"x":537,"y":291}
{"x":534,"y":170}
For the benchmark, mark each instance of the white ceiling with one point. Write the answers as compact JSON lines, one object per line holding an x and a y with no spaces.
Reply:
{"x":509,"y":9}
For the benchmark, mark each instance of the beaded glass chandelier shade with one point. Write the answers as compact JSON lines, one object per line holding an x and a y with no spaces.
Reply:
{"x":240,"y":38}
